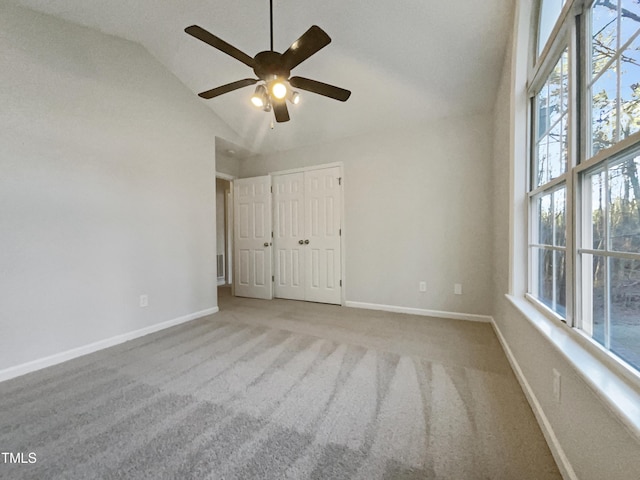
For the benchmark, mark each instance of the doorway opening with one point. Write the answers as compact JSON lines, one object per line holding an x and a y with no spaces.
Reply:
{"x":224,"y":247}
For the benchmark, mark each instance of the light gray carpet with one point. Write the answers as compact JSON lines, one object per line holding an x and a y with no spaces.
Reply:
{"x":281,"y":389}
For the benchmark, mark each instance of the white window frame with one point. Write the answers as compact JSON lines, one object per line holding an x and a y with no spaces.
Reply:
{"x":580,"y":162}
{"x":563,"y":37}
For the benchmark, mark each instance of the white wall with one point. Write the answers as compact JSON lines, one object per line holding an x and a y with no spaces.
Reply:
{"x":595,"y":443}
{"x":418,"y":207}
{"x":107,"y":189}
{"x":227,"y":165}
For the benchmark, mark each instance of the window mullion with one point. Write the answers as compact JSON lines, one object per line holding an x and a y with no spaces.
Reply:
{"x":572,"y":160}
{"x":613,"y":253}
{"x":618,"y":76}
{"x":607,"y":302}
{"x":549,"y":185}
{"x":583,"y":314}
{"x":607,"y":211}
{"x":554,"y":281}
{"x":583,"y":86}
{"x":607,"y":244}
{"x":618,"y":126}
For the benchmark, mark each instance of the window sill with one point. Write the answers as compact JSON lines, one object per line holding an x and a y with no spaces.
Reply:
{"x":617,"y":388}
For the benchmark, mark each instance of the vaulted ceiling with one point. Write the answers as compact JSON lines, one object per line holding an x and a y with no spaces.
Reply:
{"x":405,"y":62}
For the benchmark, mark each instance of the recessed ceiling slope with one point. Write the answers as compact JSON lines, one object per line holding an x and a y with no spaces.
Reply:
{"x":406,"y":63}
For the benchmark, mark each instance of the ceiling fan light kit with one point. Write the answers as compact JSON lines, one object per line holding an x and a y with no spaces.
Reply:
{"x":260,"y":98}
{"x":273,"y":69}
{"x":278,"y":89}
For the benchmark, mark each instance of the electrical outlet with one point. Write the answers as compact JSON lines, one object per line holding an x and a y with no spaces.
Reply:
{"x":457,"y":289}
{"x":423,"y":286}
{"x":556,"y":385}
{"x":144,"y":300}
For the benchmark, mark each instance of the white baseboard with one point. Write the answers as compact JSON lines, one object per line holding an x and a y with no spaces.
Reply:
{"x":57,"y":358}
{"x":566,"y":470}
{"x":420,"y":311}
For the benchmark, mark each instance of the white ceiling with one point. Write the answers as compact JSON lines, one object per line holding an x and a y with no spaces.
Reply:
{"x":405,"y":62}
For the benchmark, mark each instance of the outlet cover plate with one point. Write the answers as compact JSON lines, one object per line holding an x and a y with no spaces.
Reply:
{"x":144,"y":300}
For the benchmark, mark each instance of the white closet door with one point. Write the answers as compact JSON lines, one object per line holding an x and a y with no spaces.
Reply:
{"x":252,"y":231}
{"x":288,"y":232}
{"x":322,"y":230}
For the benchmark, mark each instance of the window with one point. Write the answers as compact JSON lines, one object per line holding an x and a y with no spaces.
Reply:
{"x":614,"y":86}
{"x":610,"y":256}
{"x":549,"y":13}
{"x":584,"y":186}
{"x":549,"y":252}
{"x":552,"y":123}
{"x":548,"y":235}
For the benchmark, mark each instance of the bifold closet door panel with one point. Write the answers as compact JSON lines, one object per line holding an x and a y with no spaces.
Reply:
{"x":289,"y":236}
{"x":322,"y":230}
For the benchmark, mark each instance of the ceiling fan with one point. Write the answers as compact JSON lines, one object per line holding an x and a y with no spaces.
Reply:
{"x":273,"y":70}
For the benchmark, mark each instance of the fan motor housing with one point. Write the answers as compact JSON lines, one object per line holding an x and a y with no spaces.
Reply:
{"x":269,"y":65}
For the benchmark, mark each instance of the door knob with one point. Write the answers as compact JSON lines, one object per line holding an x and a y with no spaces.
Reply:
{"x":266,"y":244}
{"x":300,"y":242}
{"x":306,"y":242}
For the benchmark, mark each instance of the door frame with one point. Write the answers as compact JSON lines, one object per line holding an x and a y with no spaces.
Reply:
{"x":229,"y":213}
{"x":343,"y":228}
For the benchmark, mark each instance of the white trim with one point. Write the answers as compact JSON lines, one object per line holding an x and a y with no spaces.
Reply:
{"x":343,"y":241}
{"x":544,"y":309}
{"x":555,"y":248}
{"x":57,"y":358}
{"x":612,"y":153}
{"x":229,"y":233}
{"x":309,"y":168}
{"x":420,"y":311}
{"x":617,"y":388}
{"x":232,"y":229}
{"x":550,"y":186}
{"x":221,"y":281}
{"x":556,"y":43}
{"x":611,"y":253}
{"x":557,"y":451}
{"x":225,"y":176}
{"x":519,"y":147}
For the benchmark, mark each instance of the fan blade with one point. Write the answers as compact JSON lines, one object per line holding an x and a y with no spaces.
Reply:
{"x":309,"y":43}
{"x":229,"y":87}
{"x":211,"y":39}
{"x":280,"y":110}
{"x":320,"y":88}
